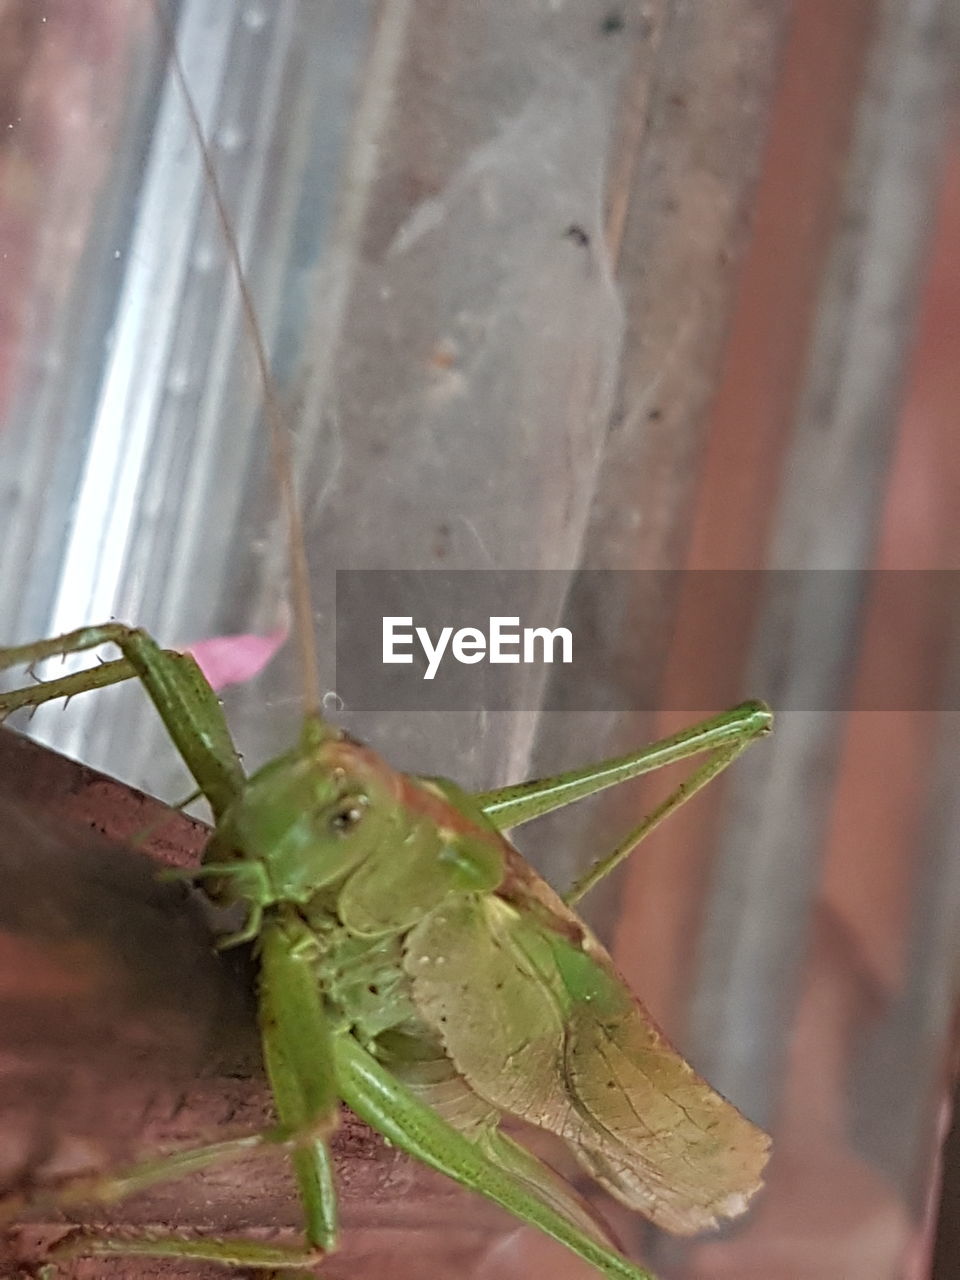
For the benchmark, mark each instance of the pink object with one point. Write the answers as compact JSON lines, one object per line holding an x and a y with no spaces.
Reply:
{"x":226,"y":660}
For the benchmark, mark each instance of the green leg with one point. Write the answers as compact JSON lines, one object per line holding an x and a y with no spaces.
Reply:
{"x":549,"y":1188}
{"x":689,"y":787}
{"x":116,"y":1187}
{"x":225,"y":1250}
{"x":724,"y":736}
{"x":512,"y":806}
{"x":187,"y":705}
{"x":298,"y":1051}
{"x":380,"y":1100}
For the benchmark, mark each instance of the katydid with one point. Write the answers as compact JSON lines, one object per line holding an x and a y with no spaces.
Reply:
{"x":412,"y":965}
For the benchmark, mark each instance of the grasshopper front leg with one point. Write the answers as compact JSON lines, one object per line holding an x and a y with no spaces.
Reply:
{"x":187,"y":704}
{"x":298,"y":1054}
{"x":298,"y":1051}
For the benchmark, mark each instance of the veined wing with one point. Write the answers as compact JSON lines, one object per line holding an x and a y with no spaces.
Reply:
{"x":535,"y":1017}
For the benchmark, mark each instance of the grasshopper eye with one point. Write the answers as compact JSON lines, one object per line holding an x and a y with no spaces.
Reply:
{"x":347,"y":814}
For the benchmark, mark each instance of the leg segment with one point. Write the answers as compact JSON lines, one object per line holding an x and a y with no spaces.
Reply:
{"x":298,"y":1052}
{"x":301,"y":1103}
{"x":548,"y":1187}
{"x":305,"y":1101}
{"x":179,"y":1164}
{"x":724,"y":736}
{"x":225,"y":1250}
{"x":386,"y":1105}
{"x":187,"y":705}
{"x":114,"y":1187}
{"x":512,"y":806}
{"x":689,"y":787}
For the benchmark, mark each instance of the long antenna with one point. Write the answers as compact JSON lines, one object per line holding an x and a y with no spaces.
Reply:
{"x":278,"y":430}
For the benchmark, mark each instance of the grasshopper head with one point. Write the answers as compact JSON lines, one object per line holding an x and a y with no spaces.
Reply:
{"x":332,"y":812}
{"x":309,"y":816}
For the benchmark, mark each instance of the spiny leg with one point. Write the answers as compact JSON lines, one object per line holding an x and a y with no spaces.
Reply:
{"x":228,"y":1251}
{"x":298,"y":1051}
{"x":387,"y":1106}
{"x":113,"y":1187}
{"x":689,"y":787}
{"x":66,"y":687}
{"x":511,"y":806}
{"x":724,"y":736}
{"x":117,"y":1186}
{"x":187,"y":704}
{"x":547,"y":1185}
{"x":193,"y":717}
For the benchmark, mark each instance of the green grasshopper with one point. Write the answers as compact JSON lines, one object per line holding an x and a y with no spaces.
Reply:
{"x":412,"y":965}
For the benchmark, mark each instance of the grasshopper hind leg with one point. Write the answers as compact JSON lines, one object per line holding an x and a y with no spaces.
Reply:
{"x":722,"y":739}
{"x":500,"y":1173}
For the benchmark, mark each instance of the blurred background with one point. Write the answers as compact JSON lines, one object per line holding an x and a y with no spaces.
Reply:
{"x":632,"y":284}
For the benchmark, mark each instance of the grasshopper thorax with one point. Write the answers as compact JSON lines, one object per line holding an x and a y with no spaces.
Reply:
{"x":332,"y":818}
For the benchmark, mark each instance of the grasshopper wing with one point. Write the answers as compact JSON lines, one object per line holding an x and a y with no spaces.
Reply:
{"x":537,"y":1020}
